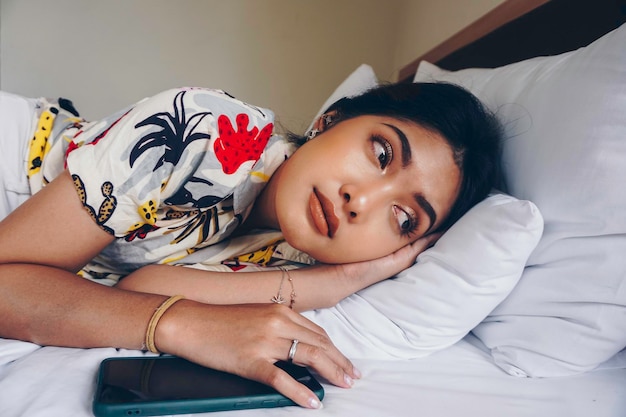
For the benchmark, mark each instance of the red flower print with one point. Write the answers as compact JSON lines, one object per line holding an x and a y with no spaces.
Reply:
{"x":233,"y":148}
{"x":140,"y":233}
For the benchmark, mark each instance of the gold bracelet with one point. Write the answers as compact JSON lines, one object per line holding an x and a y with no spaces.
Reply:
{"x":154,"y":321}
{"x":292,"y":300}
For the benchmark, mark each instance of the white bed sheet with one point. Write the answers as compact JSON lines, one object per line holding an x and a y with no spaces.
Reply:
{"x":459,"y":381}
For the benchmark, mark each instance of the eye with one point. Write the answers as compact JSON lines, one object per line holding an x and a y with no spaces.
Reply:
{"x":407,"y":222}
{"x":382,"y":151}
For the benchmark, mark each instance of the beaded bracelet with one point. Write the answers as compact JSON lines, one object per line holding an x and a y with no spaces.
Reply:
{"x":154,"y":321}
{"x":292,"y":301}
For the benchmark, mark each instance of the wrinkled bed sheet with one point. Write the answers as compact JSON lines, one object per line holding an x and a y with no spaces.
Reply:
{"x":461,"y":380}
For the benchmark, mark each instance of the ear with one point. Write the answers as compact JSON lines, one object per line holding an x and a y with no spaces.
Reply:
{"x":327,"y":120}
{"x":322,"y":123}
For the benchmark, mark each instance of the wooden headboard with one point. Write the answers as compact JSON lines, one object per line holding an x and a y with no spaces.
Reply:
{"x":521,"y":29}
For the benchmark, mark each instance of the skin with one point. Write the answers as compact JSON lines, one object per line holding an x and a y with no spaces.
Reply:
{"x":44,"y":301}
{"x":352,"y":185}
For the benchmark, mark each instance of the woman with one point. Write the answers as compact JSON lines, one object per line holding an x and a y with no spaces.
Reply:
{"x":179,"y":177}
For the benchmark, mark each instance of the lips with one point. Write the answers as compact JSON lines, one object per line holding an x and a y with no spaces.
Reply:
{"x":323,"y":213}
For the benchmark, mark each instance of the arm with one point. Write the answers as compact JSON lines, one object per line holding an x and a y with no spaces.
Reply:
{"x":317,"y":286}
{"x":45,"y":302}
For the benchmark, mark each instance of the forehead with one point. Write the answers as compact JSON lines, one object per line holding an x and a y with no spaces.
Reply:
{"x":409,"y":126}
{"x":417,"y":138}
{"x":416,"y":129}
{"x":410,"y":134}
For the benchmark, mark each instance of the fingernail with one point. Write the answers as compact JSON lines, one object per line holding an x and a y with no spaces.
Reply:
{"x":357,"y":373}
{"x":348,"y":380}
{"x":315,"y":403}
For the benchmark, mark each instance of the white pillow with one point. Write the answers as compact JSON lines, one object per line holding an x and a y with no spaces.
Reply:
{"x":566,"y":151}
{"x":363,"y":78}
{"x":453,"y":286}
{"x":450,"y":289}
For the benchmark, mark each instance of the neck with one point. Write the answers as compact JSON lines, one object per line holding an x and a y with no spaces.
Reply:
{"x":263,"y":214}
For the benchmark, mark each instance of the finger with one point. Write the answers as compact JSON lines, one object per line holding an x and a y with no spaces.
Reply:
{"x":300,"y":320}
{"x":418,"y":246}
{"x":283,"y":382}
{"x":322,"y":354}
{"x":326,"y":359}
{"x":337,"y":370}
{"x":427,"y":241}
{"x":423,"y":243}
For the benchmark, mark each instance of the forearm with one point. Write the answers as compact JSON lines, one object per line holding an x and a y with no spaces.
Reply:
{"x":315,"y":287}
{"x":50,"y":306}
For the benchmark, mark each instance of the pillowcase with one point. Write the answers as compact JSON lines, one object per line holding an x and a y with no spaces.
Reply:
{"x":447,"y":292}
{"x":565,"y":151}
{"x":362,"y":79}
{"x":450,"y":289}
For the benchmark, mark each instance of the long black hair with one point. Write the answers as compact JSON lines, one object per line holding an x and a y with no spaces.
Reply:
{"x":471,"y":130}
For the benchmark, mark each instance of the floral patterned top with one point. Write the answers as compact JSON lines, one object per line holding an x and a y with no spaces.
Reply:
{"x":171,"y":177}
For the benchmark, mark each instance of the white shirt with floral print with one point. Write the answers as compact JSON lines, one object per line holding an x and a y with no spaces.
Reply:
{"x":171,"y":177}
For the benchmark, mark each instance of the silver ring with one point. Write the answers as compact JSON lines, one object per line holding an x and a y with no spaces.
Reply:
{"x":292,"y":350}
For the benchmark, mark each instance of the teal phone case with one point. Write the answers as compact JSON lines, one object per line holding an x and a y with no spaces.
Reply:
{"x":153,"y":386}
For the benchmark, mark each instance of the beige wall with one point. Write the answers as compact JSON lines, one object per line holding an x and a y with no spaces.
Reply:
{"x":424,"y":24}
{"x":287,"y":55}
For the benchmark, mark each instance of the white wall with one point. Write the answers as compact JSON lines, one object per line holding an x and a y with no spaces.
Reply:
{"x":287,"y":55}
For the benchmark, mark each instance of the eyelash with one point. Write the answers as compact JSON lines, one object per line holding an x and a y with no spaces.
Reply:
{"x":412,"y":223}
{"x":388,"y":151}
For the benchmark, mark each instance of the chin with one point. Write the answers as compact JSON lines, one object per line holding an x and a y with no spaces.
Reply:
{"x":321,"y":250}
{"x":317,"y":253}
{"x":322,"y":258}
{"x":330,"y":256}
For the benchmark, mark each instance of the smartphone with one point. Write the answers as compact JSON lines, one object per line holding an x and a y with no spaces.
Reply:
{"x":163,"y":385}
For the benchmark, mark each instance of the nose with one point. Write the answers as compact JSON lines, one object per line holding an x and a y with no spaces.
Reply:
{"x":359,"y":200}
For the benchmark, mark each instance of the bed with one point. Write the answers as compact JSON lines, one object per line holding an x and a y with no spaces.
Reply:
{"x":520,"y":309}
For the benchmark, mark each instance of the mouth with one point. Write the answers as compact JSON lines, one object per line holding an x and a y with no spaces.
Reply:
{"x":323,"y":213}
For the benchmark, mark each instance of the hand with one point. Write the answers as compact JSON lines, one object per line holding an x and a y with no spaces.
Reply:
{"x":248,"y":339}
{"x":363,"y":274}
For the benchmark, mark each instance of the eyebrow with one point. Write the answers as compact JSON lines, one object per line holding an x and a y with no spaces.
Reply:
{"x":425,"y":205}
{"x":404,"y":145}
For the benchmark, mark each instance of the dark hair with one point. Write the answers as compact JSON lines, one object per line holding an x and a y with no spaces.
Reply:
{"x":470,"y":129}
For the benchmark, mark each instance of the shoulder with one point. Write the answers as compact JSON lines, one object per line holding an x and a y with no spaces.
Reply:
{"x":219,"y":101}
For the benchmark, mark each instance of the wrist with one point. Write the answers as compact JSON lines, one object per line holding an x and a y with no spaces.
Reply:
{"x":323,"y":284}
{"x":170,"y":330}
{"x":149,"y":340}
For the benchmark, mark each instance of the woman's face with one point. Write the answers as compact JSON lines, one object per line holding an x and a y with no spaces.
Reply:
{"x":365,"y":188}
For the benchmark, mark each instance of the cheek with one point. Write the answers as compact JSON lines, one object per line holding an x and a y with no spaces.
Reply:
{"x":336,"y":152}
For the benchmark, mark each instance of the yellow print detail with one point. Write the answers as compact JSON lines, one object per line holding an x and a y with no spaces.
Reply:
{"x":260,"y":257}
{"x":261,"y":175}
{"x":40,"y":145}
{"x":148,"y":211}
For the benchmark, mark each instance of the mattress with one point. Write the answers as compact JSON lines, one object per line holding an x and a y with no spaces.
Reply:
{"x":461,"y":380}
